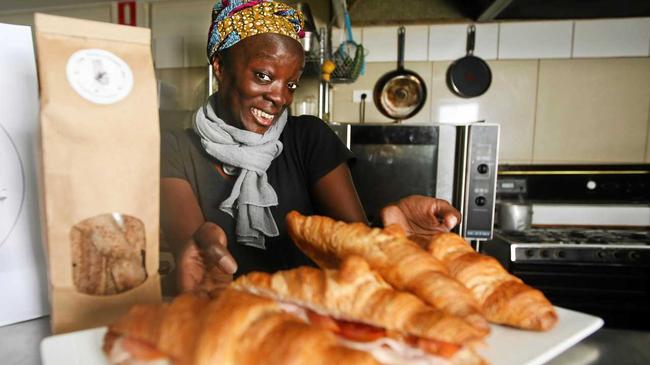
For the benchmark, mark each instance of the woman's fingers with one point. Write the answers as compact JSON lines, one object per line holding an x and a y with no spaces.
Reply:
{"x":190,"y":270}
{"x":213,"y":243}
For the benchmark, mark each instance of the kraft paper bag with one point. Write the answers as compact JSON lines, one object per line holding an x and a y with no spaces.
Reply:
{"x":100,"y":169}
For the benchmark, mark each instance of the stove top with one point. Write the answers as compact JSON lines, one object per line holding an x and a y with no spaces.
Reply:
{"x":573,"y":245}
{"x":585,"y":236}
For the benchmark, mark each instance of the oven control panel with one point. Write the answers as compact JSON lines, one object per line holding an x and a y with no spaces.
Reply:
{"x":479,"y":171}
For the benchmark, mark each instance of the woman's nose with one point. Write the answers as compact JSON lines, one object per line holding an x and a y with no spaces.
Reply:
{"x":280,"y":95}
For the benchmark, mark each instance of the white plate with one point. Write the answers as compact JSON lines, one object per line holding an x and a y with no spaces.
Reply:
{"x":505,"y":346}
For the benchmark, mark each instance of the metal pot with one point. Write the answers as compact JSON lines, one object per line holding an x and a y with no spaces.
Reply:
{"x":401,"y":93}
{"x":515,"y":216}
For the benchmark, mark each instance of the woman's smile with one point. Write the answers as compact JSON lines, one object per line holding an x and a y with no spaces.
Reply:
{"x":262,"y":117}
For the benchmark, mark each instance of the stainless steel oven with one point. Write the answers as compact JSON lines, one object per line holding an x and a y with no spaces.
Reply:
{"x":455,"y":163}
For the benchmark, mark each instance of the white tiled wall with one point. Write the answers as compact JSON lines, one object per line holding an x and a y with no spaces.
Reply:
{"x":535,"y":40}
{"x":381,"y":43}
{"x":449,"y":42}
{"x":612,"y":38}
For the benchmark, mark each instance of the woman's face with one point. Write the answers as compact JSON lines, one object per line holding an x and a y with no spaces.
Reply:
{"x":257,"y":78}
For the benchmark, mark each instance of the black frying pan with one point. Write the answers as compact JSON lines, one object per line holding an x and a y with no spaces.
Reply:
{"x":469,"y":76}
{"x":401,"y":93}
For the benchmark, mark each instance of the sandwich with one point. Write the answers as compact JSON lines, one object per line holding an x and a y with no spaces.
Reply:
{"x":367,"y":314}
{"x":401,"y":262}
{"x":237,"y":328}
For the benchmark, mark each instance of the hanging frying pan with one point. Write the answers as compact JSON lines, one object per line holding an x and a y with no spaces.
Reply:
{"x":401,"y":93}
{"x":469,"y":76}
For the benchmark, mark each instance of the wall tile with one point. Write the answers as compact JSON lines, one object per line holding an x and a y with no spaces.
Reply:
{"x":168,"y":52}
{"x":592,"y":110}
{"x":344,"y":110}
{"x":612,"y":38}
{"x":449,"y":42}
{"x":510,"y":102}
{"x":531,"y":40}
{"x":166,"y":18}
{"x":381,"y":43}
{"x":194,"y":51}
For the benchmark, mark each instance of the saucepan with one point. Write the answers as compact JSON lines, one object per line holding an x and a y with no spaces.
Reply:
{"x":515,"y":216}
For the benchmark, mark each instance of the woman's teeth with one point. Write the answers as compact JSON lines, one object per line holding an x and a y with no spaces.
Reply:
{"x":259,"y":113}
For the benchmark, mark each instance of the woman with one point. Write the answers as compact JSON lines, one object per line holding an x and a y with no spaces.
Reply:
{"x":228,"y":183}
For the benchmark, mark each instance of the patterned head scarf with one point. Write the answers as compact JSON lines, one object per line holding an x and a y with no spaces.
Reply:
{"x":234,"y":20}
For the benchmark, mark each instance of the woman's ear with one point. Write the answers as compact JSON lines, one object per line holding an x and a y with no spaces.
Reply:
{"x":217,"y":66}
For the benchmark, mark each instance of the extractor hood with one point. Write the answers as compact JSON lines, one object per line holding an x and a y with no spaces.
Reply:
{"x":378,"y":12}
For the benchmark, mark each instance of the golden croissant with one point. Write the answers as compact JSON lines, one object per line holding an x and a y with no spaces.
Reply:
{"x":504,"y":298}
{"x":401,"y":262}
{"x":238,"y":328}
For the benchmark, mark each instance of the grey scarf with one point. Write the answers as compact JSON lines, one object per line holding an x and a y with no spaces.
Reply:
{"x":247,"y":154}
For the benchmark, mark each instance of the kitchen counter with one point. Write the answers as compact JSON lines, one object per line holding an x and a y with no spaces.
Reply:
{"x":20,"y":345}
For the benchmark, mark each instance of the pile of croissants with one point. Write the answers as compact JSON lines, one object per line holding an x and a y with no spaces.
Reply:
{"x":379,"y":297}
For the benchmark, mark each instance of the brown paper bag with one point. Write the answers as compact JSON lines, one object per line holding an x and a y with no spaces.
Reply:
{"x":99,"y":169}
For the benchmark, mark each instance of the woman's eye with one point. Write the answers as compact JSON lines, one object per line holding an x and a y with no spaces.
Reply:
{"x":292,"y":86}
{"x":262,"y":76}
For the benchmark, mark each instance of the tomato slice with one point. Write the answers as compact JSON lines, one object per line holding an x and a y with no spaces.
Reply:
{"x":141,"y":350}
{"x":320,"y":320}
{"x":360,"y":331}
{"x":438,"y":348}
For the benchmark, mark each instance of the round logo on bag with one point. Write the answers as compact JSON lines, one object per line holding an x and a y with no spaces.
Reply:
{"x":99,"y":76}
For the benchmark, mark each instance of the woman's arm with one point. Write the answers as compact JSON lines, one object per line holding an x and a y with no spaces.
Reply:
{"x":337,"y":196}
{"x":191,"y":238}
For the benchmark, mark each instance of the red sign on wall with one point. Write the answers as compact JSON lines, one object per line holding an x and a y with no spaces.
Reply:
{"x":126,"y":12}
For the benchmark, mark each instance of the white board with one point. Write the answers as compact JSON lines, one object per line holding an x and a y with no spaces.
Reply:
{"x":505,"y":346}
{"x":23,"y":281}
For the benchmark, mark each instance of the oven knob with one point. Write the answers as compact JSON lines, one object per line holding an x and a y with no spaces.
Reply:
{"x":561,"y":254}
{"x":618,"y":255}
{"x":544,"y":253}
{"x":634,"y":256}
{"x":529,"y":253}
{"x":601,"y":254}
{"x":480,"y":201}
{"x":591,"y":185}
{"x":482,"y":168}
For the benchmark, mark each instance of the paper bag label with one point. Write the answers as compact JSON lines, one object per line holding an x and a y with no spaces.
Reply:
{"x":99,"y":76}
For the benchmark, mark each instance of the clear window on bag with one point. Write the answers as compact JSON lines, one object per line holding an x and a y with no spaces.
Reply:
{"x":108,"y":254}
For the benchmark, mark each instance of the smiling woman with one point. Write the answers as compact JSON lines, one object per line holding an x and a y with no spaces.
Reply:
{"x":228,"y":183}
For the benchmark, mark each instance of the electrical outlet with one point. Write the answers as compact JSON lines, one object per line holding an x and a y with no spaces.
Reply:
{"x":356,"y":95}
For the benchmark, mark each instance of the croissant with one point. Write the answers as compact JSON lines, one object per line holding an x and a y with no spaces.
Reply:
{"x":354,"y":292}
{"x":504,"y":298}
{"x":237,"y":328}
{"x":401,"y":262}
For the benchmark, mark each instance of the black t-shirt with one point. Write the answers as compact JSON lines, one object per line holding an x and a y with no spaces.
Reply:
{"x":310,"y":151}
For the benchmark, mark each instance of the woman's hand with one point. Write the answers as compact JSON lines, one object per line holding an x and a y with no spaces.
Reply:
{"x":204,"y":264}
{"x":421,"y":215}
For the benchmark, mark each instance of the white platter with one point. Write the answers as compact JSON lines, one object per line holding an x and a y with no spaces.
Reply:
{"x":505,"y":346}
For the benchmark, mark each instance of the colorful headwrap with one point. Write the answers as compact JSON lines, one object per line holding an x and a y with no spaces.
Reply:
{"x":234,"y":20}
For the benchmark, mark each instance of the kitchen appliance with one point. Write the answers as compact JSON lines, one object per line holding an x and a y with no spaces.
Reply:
{"x":401,"y":93}
{"x":589,"y":245}
{"x":455,"y":163}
